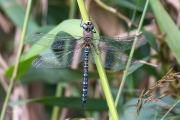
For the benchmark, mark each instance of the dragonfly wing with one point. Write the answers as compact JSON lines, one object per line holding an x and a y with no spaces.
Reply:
{"x":119,"y":43}
{"x":59,"y":59}
{"x":113,"y":60}
{"x":54,"y":41}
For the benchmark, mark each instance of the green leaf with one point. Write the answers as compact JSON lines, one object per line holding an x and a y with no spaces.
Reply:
{"x":70,"y":26}
{"x":136,"y":66}
{"x":70,"y":102}
{"x":151,"y":39}
{"x":167,"y":27}
{"x":54,"y":76}
{"x":23,"y":66}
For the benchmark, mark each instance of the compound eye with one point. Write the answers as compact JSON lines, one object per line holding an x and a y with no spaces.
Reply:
{"x":85,"y":27}
{"x":92,"y":27}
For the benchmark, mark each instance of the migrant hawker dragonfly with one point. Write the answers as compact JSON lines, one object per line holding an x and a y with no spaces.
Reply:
{"x":109,"y":48}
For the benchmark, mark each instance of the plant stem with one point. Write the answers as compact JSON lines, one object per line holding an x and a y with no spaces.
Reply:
{"x":131,"y":54}
{"x":83,"y":10}
{"x":170,"y":110}
{"x":56,"y":109}
{"x":17,"y":61}
{"x":133,"y":17}
{"x":115,"y":12}
{"x":72,"y":9}
{"x":100,"y":69}
{"x":156,"y":113}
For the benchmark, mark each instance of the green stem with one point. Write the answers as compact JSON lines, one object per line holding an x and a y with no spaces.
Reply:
{"x":72,"y":9}
{"x":100,"y":69}
{"x":56,"y":109}
{"x":131,"y":54}
{"x":83,"y":10}
{"x":105,"y":86}
{"x":156,"y":113}
{"x":170,"y":110}
{"x":17,"y":61}
{"x":134,"y":14}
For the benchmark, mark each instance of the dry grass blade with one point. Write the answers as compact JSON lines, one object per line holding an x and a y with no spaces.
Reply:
{"x":115,"y":12}
{"x":177,"y":75}
{"x":162,"y":96}
{"x":162,"y":85}
{"x":170,"y":80}
{"x":150,"y":90}
{"x":150,"y":98}
{"x":157,"y":100}
{"x":139,"y":103}
{"x":140,"y":97}
{"x":163,"y":82}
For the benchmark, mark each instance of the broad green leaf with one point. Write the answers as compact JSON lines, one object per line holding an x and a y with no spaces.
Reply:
{"x":136,"y":66}
{"x":151,"y":39}
{"x":70,"y":102}
{"x":54,"y":76}
{"x":43,"y":29}
{"x":70,"y":26}
{"x":23,"y":66}
{"x":167,"y":27}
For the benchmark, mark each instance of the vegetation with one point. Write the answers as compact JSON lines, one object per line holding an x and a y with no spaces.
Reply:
{"x":149,"y":91}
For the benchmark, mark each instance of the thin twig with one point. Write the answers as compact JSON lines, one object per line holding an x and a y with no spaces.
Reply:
{"x":17,"y":61}
{"x":3,"y":83}
{"x":115,"y":12}
{"x":131,"y":54}
{"x":3,"y":63}
{"x":4,"y":67}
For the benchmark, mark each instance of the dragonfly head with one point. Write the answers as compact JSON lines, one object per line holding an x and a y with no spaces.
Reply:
{"x":88,"y":26}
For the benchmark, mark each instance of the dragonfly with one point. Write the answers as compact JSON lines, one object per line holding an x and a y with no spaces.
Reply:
{"x":69,"y":47}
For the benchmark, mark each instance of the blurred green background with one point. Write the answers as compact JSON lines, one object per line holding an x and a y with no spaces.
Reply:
{"x":48,"y":90}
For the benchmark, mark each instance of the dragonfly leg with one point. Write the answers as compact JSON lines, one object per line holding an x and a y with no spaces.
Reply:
{"x":95,"y":48}
{"x":94,"y":31}
{"x":81,"y":23}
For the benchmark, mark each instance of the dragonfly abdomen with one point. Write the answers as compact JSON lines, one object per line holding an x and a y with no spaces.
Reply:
{"x":85,"y":81}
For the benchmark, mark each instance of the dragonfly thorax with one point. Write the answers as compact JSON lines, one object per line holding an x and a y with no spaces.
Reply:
{"x":88,"y":32}
{"x":87,"y":47}
{"x":87,"y":36}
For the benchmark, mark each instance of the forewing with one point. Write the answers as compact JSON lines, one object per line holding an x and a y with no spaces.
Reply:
{"x":54,"y":41}
{"x":113,"y":60}
{"x":119,"y":43}
{"x":59,"y":59}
